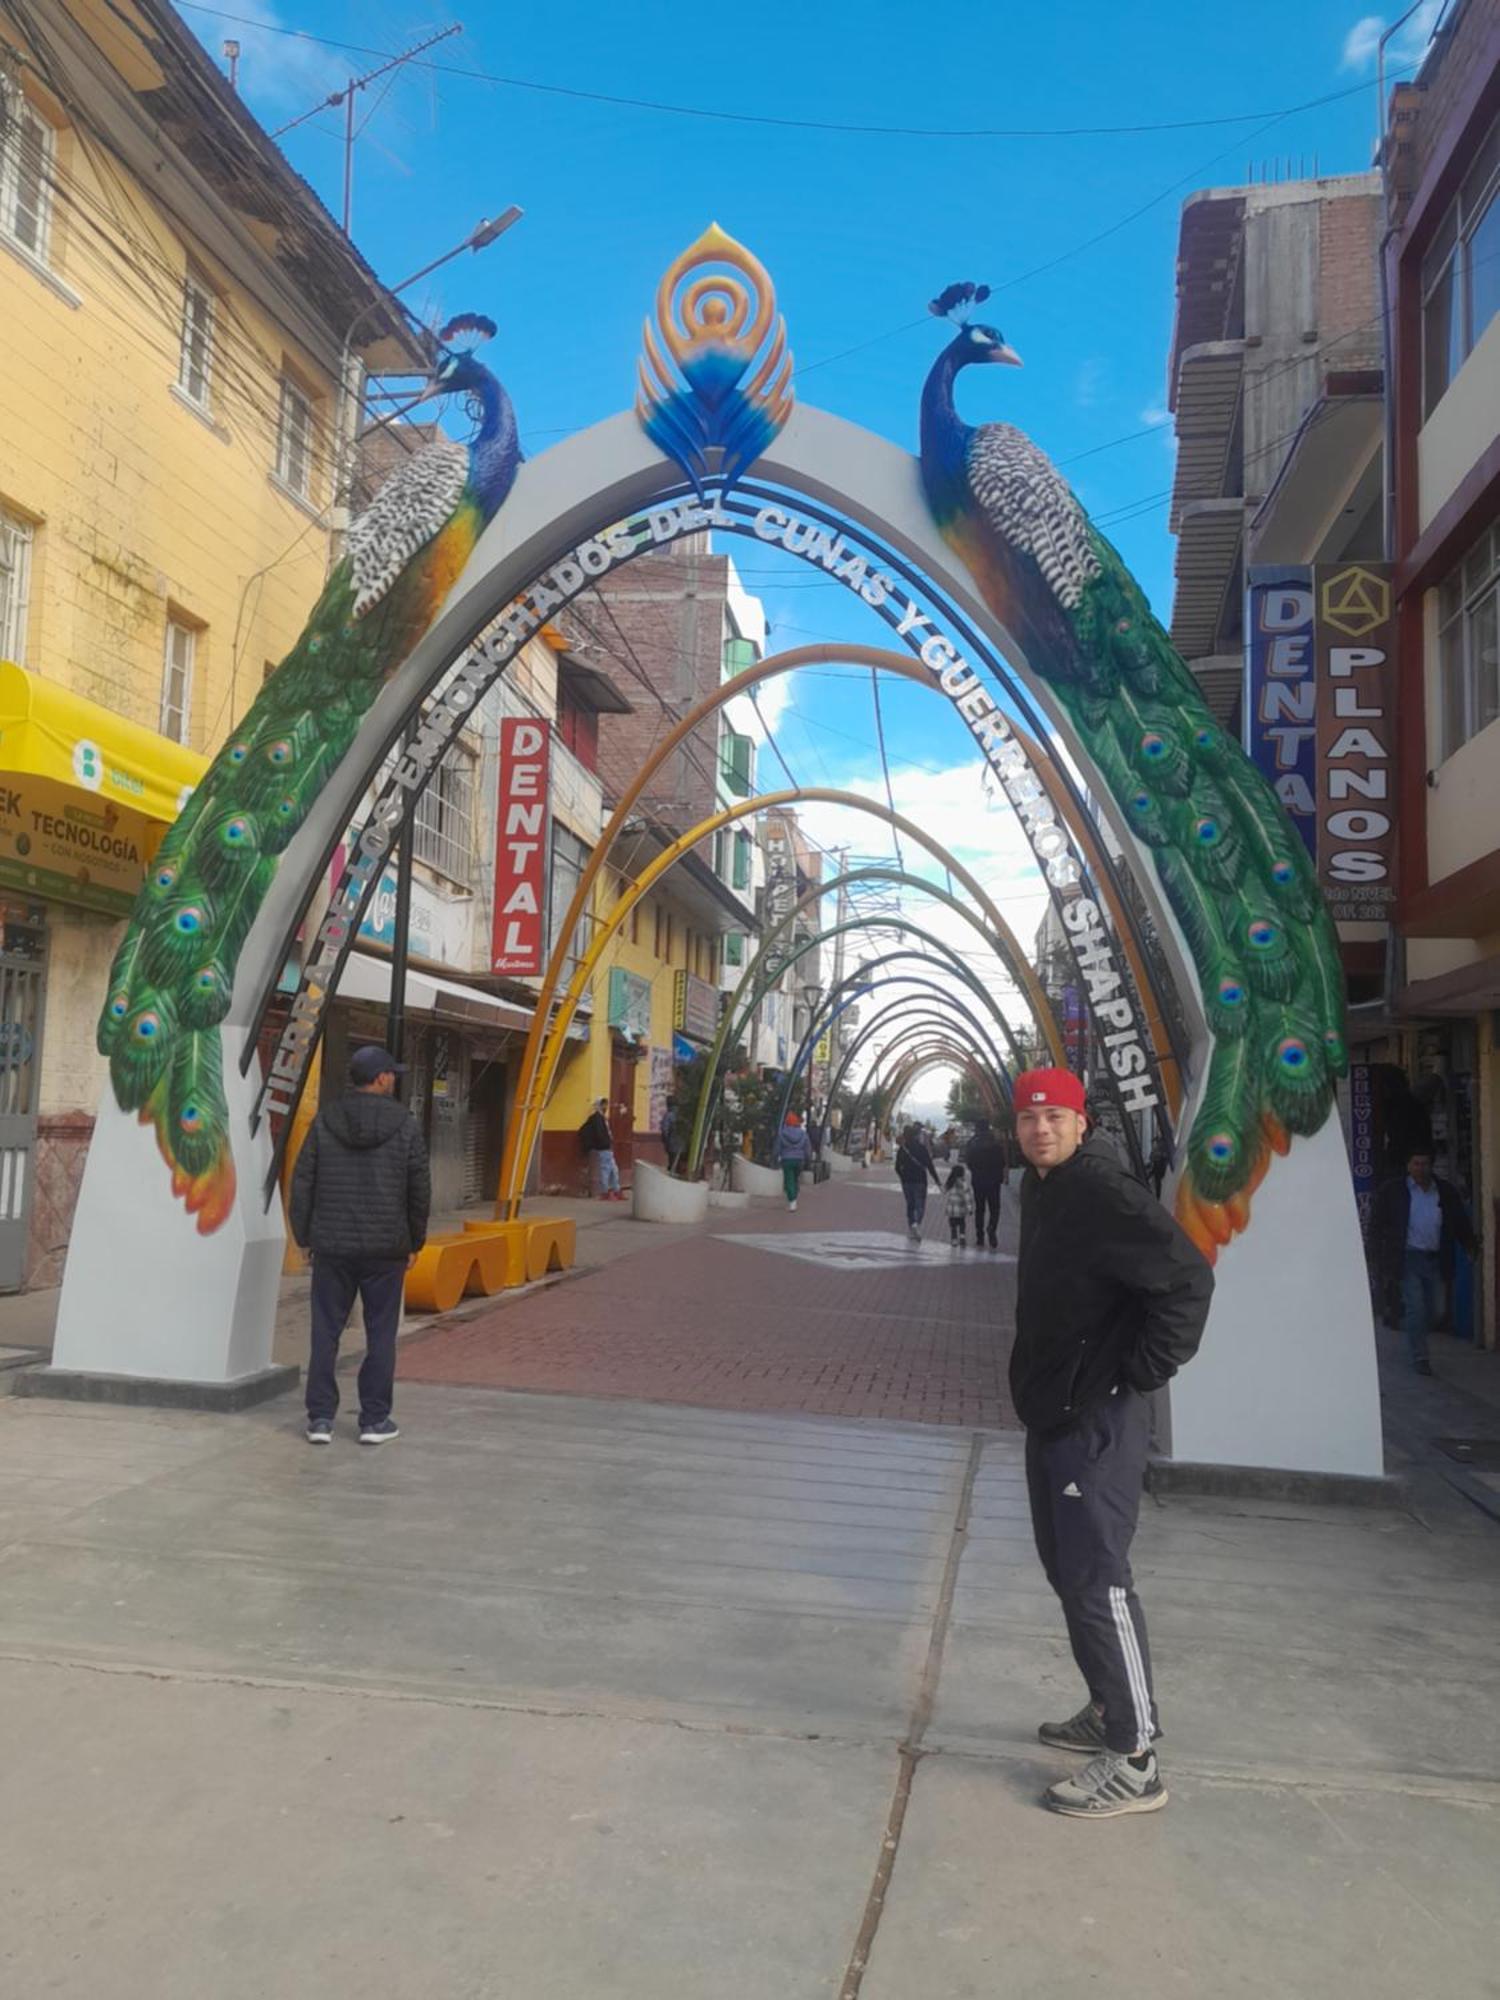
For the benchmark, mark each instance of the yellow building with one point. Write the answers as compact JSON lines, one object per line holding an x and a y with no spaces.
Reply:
{"x":179,"y":313}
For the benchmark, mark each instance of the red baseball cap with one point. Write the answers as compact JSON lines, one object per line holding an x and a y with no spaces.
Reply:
{"x":1048,"y":1086}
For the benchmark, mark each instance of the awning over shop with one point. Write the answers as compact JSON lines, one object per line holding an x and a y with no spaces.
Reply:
{"x":48,"y":732}
{"x":368,"y":979}
{"x":85,"y":796}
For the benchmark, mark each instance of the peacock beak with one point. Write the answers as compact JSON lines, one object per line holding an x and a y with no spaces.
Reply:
{"x":1007,"y":357}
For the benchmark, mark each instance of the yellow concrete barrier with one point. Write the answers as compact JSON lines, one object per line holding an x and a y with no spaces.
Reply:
{"x":486,"y":1257}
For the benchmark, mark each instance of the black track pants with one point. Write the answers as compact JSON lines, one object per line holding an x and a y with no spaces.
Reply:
{"x":986,"y":1203}
{"x":1085,"y":1492}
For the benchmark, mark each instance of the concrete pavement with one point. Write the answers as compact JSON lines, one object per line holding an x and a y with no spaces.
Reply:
{"x":564,"y":1696}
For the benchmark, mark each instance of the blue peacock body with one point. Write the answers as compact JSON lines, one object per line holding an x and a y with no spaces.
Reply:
{"x":1234,"y":872}
{"x":173,"y":975}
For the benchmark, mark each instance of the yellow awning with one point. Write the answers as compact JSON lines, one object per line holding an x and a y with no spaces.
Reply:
{"x":49,"y":733}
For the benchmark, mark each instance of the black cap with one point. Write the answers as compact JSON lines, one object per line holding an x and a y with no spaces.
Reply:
{"x":366,"y":1064}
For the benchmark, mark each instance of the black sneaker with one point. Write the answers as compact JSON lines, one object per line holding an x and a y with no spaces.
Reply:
{"x":320,"y":1430}
{"x":1083,"y":1732}
{"x":380,"y":1433}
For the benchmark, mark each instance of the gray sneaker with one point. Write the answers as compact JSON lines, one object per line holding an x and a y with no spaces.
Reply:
{"x":1107,"y":1788}
{"x":1083,"y":1732}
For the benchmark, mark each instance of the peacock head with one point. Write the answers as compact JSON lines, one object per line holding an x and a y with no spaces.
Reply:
{"x":458,"y":370}
{"x":974,"y":342}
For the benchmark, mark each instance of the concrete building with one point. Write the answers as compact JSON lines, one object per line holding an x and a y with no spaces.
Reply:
{"x":175,"y":304}
{"x":1442,"y":273}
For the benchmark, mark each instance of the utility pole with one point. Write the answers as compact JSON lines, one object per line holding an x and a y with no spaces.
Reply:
{"x":346,"y":97}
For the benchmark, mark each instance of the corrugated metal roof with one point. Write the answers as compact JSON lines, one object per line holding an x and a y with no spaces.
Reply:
{"x":1208,"y":544}
{"x":1209,"y":383}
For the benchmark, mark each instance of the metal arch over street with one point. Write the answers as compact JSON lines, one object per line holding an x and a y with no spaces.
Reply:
{"x":725,"y":1037}
{"x":867,"y":1032}
{"x":521,"y":1137}
{"x":933,"y":1054}
{"x":751,"y":990}
{"x":848,"y":991}
{"x":907,"y":980}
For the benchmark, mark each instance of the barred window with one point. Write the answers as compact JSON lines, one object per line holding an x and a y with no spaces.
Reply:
{"x":15,"y":585}
{"x":26,"y":150}
{"x":444,"y":825}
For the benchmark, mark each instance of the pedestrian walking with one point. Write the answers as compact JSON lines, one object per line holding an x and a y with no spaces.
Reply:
{"x":360,"y":1196}
{"x":959,"y":1202}
{"x":1418,"y":1224}
{"x":985,"y":1158}
{"x":793,"y":1153}
{"x":670,"y":1143}
{"x":598,"y":1142}
{"x":914,"y":1168}
{"x":1111,"y":1302}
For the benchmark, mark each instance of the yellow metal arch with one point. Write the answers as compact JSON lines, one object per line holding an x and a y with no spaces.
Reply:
{"x":522,"y":1136}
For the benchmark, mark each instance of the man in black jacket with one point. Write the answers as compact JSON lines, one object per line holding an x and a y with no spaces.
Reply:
{"x":984,"y":1156}
{"x":1111,"y":1301}
{"x":360,"y":1196}
{"x":1417,"y":1225}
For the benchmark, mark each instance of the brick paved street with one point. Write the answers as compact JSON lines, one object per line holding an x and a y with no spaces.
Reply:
{"x":830,"y":1311}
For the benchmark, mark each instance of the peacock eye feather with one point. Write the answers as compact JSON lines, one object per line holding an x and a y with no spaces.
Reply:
{"x":147,"y":1027}
{"x":236,"y":833}
{"x":1292,"y":1055}
{"x":1206,"y":738}
{"x":191,"y":1118}
{"x":279,"y":753}
{"x":1141,"y":802}
{"x":117,"y":1007}
{"x":188,"y":920}
{"x":1282,"y":873}
{"x":1231,"y":993}
{"x":206,"y":979}
{"x":238,"y":752}
{"x":1221,"y":1148}
{"x":285,"y":808}
{"x":1262,"y":935}
{"x":1206,"y":831}
{"x":1153,"y":746}
{"x":164,"y":877}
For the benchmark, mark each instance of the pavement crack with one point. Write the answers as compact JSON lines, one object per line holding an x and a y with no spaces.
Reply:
{"x":911,"y":1751}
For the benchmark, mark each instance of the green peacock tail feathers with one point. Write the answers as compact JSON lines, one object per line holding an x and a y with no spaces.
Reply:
{"x":1242,"y":887}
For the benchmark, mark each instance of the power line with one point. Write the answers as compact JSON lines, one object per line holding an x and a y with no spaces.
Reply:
{"x":855,"y":130}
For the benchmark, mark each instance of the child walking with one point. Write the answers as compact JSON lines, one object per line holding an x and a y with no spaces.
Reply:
{"x":960,"y":1203}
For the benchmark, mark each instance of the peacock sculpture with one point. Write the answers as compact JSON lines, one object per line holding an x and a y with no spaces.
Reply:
{"x":1234,"y":871}
{"x":173,"y":975}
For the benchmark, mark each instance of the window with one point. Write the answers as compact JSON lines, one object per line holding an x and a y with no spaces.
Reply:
{"x":194,"y":366}
{"x":734,"y":948}
{"x":1461,"y":274}
{"x":737,"y":763}
{"x":579,"y":729}
{"x":444,"y":823}
{"x":738,"y":654}
{"x":177,"y":680}
{"x":15,"y":585}
{"x":294,"y":440}
{"x":1469,"y":642}
{"x":26,"y":149}
{"x":569,"y":859}
{"x":741,"y":861}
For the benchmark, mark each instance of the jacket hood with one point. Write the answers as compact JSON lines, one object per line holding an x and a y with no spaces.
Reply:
{"x":364,"y":1121}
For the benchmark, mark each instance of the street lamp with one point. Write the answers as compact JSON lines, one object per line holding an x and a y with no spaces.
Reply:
{"x":479,"y":238}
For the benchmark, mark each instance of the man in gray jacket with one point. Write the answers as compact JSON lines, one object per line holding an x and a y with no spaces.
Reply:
{"x":360,"y":1196}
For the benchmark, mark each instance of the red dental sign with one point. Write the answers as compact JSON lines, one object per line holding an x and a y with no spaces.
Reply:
{"x":520,"y":934}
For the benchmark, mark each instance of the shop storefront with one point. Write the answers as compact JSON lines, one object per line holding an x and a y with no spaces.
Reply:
{"x":85,"y":798}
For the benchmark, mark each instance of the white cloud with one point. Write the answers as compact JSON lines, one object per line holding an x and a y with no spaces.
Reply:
{"x":1406,"y":46}
{"x":280,"y":73}
{"x":1089,"y":387}
{"x":1156,"y":413}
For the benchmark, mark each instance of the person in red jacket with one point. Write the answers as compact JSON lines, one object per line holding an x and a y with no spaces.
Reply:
{"x":1111,"y":1300}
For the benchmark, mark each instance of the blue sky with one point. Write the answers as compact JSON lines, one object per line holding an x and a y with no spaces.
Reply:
{"x":858,"y":230}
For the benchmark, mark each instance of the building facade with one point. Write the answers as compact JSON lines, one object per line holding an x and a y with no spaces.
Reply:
{"x":1442,"y":275}
{"x":176,"y":305}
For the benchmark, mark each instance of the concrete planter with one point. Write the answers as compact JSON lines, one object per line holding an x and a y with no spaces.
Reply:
{"x":727,"y":1198}
{"x":747,"y":1178}
{"x":659,"y":1198}
{"x":839,"y":1163}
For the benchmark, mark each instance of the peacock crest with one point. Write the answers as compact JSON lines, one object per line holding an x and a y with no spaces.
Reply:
{"x":716,"y":372}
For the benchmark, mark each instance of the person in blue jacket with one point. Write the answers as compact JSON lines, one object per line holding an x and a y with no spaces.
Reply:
{"x":793,"y":1153}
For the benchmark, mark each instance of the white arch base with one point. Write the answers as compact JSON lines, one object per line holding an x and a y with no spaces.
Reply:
{"x":1286,"y":1377}
{"x":153,"y":1298}
{"x":660,"y":1198}
{"x":749,"y":1177}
